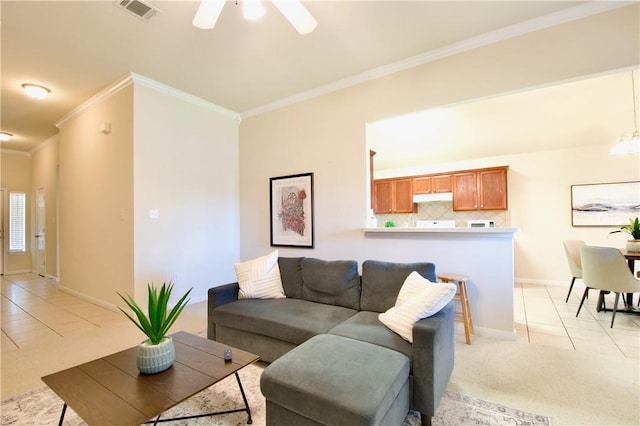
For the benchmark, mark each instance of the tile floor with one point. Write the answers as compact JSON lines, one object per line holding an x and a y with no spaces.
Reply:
{"x":34,"y":310}
{"x":542,"y":317}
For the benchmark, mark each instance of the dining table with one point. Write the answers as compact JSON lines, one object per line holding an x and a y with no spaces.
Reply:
{"x":632,"y":257}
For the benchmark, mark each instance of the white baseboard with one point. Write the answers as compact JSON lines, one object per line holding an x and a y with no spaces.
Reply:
{"x":17,"y":272}
{"x":51,"y":277}
{"x":543,"y":282}
{"x":90,"y":299}
{"x":496,"y":334}
{"x":111,"y":306}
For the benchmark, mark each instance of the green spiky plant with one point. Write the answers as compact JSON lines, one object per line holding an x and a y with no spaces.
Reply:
{"x":156,"y":323}
{"x":633,"y":229}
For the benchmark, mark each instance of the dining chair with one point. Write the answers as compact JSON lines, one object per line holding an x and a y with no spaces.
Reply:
{"x":572,"y":250}
{"x":605,"y":268}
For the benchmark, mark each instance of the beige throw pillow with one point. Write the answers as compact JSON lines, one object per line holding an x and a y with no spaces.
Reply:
{"x":418,"y":298}
{"x":260,"y":278}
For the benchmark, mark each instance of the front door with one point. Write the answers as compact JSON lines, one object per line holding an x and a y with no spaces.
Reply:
{"x":41,"y":247}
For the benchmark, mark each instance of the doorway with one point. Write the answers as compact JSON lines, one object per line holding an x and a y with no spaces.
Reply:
{"x":3,"y":248}
{"x":41,"y":246}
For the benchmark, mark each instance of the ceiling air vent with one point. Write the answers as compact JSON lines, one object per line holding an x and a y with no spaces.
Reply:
{"x":141,"y":9}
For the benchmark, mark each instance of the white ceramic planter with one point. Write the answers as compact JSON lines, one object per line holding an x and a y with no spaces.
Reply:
{"x":633,"y":246}
{"x":154,"y":359}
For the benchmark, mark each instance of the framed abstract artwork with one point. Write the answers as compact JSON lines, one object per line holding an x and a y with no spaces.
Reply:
{"x":604,"y":204}
{"x":292,"y":210}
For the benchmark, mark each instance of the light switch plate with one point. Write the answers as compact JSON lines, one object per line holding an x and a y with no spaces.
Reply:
{"x":154,"y":214}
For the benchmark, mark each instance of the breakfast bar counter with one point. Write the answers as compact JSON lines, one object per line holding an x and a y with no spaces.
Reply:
{"x":485,"y":255}
{"x":508,"y":232}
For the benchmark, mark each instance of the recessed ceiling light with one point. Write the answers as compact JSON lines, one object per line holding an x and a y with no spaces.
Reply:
{"x":35,"y":91}
{"x":4,"y":136}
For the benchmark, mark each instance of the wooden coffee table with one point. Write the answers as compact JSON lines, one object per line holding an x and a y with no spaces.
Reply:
{"x":111,"y":390}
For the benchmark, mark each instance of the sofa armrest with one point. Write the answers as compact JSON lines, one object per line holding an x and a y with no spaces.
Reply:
{"x":433,"y":358}
{"x":219,"y":296}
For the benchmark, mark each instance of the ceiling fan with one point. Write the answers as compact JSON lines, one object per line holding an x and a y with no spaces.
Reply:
{"x":209,"y":11}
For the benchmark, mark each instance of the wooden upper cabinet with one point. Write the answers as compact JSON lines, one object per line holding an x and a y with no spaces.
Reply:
{"x":422,"y":185}
{"x":493,"y":189}
{"x":433,"y":184}
{"x":465,"y":191}
{"x":441,"y":183}
{"x":404,"y":196}
{"x":382,"y":196}
{"x":393,"y":196}
{"x":484,"y":189}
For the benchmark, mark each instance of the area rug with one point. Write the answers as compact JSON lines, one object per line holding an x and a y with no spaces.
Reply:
{"x":43,"y":407}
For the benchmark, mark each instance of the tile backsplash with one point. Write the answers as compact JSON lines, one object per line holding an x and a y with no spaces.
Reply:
{"x":443,"y":210}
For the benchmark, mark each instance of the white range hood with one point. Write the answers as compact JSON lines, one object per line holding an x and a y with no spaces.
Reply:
{"x":428,"y":198}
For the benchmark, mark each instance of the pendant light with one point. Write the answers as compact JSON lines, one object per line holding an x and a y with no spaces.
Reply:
{"x":626,"y":144}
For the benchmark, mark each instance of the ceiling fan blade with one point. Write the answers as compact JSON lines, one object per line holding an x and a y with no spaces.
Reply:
{"x":208,"y":14}
{"x":297,"y":15}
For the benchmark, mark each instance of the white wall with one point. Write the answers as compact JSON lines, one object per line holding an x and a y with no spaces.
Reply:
{"x":185,"y":166}
{"x":96,"y":197}
{"x":326,"y":136}
{"x":167,"y":151}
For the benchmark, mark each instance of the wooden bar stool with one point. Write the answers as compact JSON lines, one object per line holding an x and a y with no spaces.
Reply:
{"x":464,"y":314}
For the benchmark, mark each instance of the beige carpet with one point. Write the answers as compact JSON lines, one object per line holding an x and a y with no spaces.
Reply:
{"x":572,"y":387}
{"x":43,"y":407}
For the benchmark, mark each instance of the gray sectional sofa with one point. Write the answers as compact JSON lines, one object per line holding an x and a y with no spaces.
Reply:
{"x":331,"y":297}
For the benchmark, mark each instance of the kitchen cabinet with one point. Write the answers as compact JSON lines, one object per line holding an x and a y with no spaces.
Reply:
{"x":433,"y":184}
{"x":484,"y":189}
{"x":393,"y":196}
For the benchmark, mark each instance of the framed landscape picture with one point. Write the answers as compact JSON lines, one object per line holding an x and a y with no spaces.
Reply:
{"x":292,"y":210}
{"x":604,"y":204}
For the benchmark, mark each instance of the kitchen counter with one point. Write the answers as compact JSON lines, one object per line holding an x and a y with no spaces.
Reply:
{"x":485,"y":255}
{"x":460,"y":230}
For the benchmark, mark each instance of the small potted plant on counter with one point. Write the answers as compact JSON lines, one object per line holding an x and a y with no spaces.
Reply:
{"x":633,"y":229}
{"x":157,"y":353}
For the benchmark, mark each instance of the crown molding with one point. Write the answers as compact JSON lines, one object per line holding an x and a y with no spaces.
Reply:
{"x":15,"y":152}
{"x":108,"y":91}
{"x":547,"y":21}
{"x":133,"y":78}
{"x":41,"y":145}
{"x":147,"y":82}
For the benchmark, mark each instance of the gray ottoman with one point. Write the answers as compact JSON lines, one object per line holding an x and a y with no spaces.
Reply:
{"x":334,"y":380}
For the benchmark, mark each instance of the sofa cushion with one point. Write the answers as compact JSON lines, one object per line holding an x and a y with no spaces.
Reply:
{"x":291,"y":320}
{"x":259,"y":278}
{"x":291,"y":276}
{"x":381,"y":282}
{"x":366,"y":326}
{"x":419,"y":298}
{"x":334,"y":282}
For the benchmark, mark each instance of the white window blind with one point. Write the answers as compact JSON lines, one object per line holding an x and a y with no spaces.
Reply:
{"x":17,"y":230}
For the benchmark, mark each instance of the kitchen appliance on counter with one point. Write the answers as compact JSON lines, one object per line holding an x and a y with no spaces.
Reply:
{"x":477,"y":223}
{"x":435,"y":223}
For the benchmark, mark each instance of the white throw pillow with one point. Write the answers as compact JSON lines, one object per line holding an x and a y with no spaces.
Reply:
{"x":260,"y":278}
{"x":418,"y":298}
